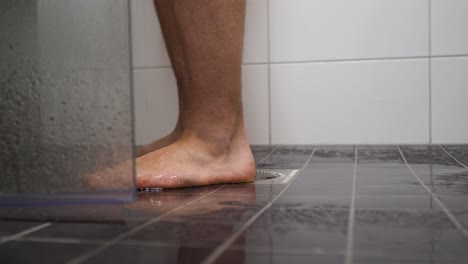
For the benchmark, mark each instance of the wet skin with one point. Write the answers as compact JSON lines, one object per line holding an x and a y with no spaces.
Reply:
{"x":209,"y":144}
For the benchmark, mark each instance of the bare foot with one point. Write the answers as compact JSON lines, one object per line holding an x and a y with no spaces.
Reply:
{"x":193,"y":162}
{"x":160,"y":143}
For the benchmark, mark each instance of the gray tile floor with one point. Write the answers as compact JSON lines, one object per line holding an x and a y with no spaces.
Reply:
{"x":346,"y":204}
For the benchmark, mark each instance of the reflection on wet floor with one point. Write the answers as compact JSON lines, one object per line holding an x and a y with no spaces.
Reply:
{"x":345,"y":204}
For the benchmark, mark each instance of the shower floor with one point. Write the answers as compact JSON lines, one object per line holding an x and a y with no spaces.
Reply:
{"x":332,"y":204}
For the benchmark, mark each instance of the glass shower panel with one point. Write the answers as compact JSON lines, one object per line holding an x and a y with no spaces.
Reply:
{"x":66,"y":133}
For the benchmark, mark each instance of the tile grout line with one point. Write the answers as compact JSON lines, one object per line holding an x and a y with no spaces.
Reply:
{"x":290,"y":176}
{"x":368,"y":59}
{"x":60,"y":240}
{"x":267,"y":63}
{"x":454,"y":220}
{"x":89,"y":254}
{"x":25,"y":232}
{"x":269,"y":154}
{"x":448,"y":56}
{"x":269,"y":70}
{"x":455,"y":159}
{"x":430,"y":67}
{"x":350,"y":235}
{"x":126,"y":242}
{"x":79,"y":241}
{"x":167,"y":67}
{"x":132,"y":96}
{"x":218,"y":251}
{"x":348,"y":60}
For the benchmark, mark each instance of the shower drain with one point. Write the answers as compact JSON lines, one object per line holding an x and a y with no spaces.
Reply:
{"x":274,"y":176}
{"x":267,"y":175}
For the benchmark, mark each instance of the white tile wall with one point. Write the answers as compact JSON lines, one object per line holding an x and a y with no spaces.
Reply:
{"x":350,"y":102}
{"x":450,"y":100}
{"x":149,"y":49}
{"x":148,"y":45}
{"x":256,"y":32}
{"x":156,"y":103}
{"x":449,"y":27}
{"x":155,"y":97}
{"x":255,"y":98}
{"x":304,"y":30}
{"x":384,"y":99}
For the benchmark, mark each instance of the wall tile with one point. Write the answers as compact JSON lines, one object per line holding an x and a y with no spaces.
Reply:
{"x":255,"y":98}
{"x":256,"y":32}
{"x":156,"y":103}
{"x":148,"y":46}
{"x":387,"y":101}
{"x":449,"y":100}
{"x":350,"y":102}
{"x":149,"y":49}
{"x":304,"y":30}
{"x":449,"y":27}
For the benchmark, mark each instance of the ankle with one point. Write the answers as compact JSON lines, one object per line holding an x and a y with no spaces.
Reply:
{"x":216,"y":144}
{"x":178,"y":130}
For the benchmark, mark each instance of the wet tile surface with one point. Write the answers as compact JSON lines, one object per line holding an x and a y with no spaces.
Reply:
{"x":8,"y":228}
{"x":397,"y":217}
{"x":253,"y":257}
{"x":261,"y":152}
{"x":151,"y":254}
{"x":250,"y":190}
{"x":396,"y":202}
{"x":314,"y":202}
{"x":98,"y":231}
{"x":190,"y":233}
{"x":286,"y":157}
{"x":428,"y":155}
{"x":459,"y":152}
{"x":380,"y":155}
{"x":297,"y":229}
{"x":332,"y":155}
{"x":407,"y":236}
{"x":32,"y":252}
